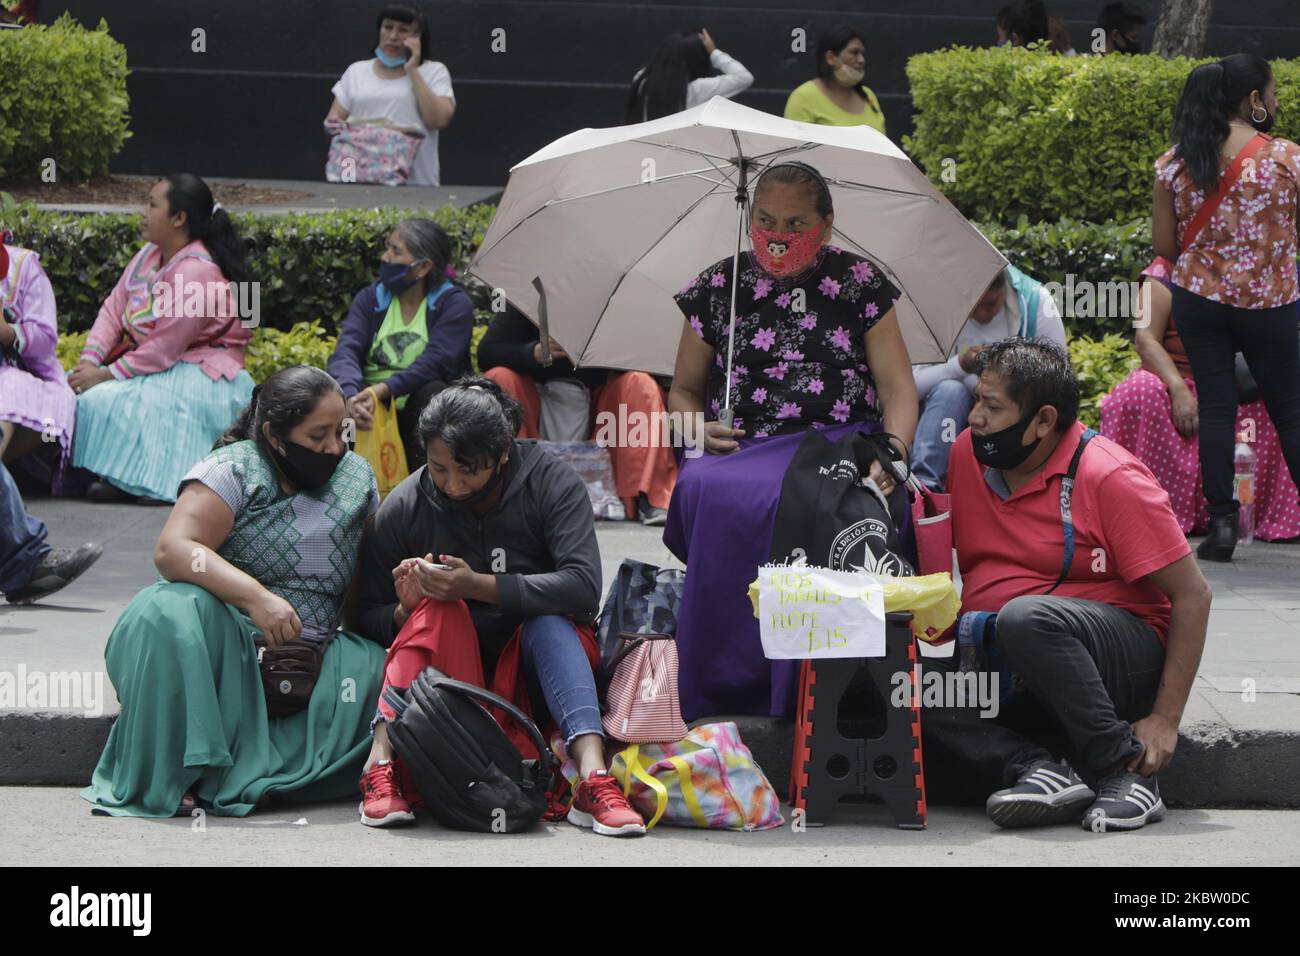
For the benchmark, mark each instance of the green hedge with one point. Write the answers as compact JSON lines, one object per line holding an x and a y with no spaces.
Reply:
{"x":1050,"y":136}
{"x":310,"y":265}
{"x":1101,"y":364}
{"x":63,"y":98}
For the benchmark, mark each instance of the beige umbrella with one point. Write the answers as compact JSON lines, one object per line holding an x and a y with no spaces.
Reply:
{"x":597,"y":231}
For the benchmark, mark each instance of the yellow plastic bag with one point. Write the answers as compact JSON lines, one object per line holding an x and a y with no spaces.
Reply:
{"x":931,"y":598}
{"x":382,"y":447}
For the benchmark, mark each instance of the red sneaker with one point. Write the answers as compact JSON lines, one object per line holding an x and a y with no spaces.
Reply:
{"x":382,"y":803}
{"x":599,"y":805}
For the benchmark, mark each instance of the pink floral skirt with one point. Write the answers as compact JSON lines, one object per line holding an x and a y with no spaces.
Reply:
{"x":1137,"y":414}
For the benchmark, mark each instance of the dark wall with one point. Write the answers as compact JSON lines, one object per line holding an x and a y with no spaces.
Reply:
{"x":252,"y":104}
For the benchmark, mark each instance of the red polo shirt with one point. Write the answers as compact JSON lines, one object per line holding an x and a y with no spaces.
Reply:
{"x":1124,"y":530}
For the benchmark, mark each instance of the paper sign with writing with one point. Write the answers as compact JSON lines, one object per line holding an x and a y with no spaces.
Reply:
{"x":807,"y":612}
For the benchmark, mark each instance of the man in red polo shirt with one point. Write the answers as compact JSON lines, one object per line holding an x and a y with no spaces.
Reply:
{"x":1103,"y":661}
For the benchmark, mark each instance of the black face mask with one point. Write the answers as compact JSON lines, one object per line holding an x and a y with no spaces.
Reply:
{"x":306,"y":468}
{"x":1266,"y":124}
{"x":1002,"y":449}
{"x":476,"y":498}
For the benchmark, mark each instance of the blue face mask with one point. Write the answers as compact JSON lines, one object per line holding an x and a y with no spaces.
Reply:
{"x":392,"y":62}
{"x":396,"y":275}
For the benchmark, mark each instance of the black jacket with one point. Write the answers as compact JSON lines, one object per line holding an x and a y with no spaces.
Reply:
{"x":508,"y":343}
{"x":540,"y":540}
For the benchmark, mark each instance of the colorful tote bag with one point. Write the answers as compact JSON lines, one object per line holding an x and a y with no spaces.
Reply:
{"x":707,"y":780}
{"x":370,"y":153}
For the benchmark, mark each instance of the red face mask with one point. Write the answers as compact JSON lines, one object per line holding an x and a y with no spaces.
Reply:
{"x":785,"y":254}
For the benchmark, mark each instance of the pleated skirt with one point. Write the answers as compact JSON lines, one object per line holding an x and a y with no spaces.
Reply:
{"x":143,"y":434}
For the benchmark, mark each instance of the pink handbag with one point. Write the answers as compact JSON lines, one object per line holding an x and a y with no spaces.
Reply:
{"x":932,"y":525}
{"x":370,"y":153}
{"x":642,"y":704}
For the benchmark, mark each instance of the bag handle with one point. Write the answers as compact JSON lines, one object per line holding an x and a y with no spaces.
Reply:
{"x":1230,"y":176}
{"x":1067,"y":518}
{"x":632,"y":761}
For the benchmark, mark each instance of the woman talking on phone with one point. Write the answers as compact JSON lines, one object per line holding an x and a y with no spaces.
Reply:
{"x":398,"y":85}
{"x":1224,"y":212}
{"x":484,"y":564}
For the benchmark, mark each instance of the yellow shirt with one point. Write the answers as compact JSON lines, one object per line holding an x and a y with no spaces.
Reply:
{"x":808,"y":104}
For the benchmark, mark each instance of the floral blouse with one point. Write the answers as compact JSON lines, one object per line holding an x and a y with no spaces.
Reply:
{"x":799,"y":357}
{"x":1245,"y":256}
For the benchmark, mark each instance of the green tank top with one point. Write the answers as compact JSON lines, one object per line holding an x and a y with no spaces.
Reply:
{"x":396,"y":345}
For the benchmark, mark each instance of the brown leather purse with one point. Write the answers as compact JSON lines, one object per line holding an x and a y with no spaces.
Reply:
{"x":289,"y":673}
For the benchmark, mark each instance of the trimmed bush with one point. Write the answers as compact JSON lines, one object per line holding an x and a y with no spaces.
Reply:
{"x":1101,"y":364}
{"x":64,"y":99}
{"x":310,"y":265}
{"x":1048,"y":136}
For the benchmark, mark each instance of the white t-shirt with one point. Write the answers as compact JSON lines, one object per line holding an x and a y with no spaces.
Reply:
{"x":367,"y":96}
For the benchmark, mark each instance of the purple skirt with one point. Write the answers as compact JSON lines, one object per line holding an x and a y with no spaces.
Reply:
{"x":46,"y":407}
{"x":720,"y":525}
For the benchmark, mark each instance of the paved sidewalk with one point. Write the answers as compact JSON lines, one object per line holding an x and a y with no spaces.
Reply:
{"x":1241,"y":731}
{"x":330,"y":835}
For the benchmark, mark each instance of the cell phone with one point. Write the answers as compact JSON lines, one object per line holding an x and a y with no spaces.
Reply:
{"x":433,"y":565}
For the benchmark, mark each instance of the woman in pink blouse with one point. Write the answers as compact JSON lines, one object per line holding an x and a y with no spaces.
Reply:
{"x":1234,"y":279}
{"x":162,"y":374}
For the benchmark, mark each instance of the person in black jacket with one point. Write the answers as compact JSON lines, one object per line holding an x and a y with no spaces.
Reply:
{"x":407,"y":335}
{"x":484,"y":563}
{"x":510,"y":354}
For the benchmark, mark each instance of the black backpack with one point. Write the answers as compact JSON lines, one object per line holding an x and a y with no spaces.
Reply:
{"x":468,"y":772}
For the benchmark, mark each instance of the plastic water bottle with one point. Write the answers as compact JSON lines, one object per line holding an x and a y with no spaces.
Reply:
{"x":1243,"y":489}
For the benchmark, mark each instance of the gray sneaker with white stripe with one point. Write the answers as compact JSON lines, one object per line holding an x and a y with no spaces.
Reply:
{"x":1046,"y":793}
{"x":1128,"y":801}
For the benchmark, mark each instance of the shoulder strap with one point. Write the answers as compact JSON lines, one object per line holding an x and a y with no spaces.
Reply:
{"x":1067,"y":519}
{"x":1257,"y":142}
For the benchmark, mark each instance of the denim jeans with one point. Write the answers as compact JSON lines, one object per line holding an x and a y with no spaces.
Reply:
{"x":22,"y":537}
{"x":554,"y":659}
{"x":943,"y":412}
{"x":1088,"y":671}
{"x":1212,"y":334}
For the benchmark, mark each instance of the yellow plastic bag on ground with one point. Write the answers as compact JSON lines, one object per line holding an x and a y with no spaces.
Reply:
{"x":381,"y":445}
{"x":931,"y":598}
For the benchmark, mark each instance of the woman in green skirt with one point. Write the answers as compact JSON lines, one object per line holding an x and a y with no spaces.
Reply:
{"x":263,"y":539}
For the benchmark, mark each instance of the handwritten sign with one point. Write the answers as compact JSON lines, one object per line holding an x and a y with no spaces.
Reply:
{"x":807,"y":612}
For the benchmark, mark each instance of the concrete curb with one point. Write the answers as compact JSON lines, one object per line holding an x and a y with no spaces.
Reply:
{"x":1213,"y":767}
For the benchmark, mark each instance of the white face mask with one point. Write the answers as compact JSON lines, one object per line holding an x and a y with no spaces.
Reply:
{"x":848,"y":76}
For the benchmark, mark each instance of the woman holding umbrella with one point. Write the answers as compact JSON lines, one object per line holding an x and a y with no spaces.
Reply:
{"x":816,"y":342}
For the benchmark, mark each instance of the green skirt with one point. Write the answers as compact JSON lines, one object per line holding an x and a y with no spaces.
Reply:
{"x":193,"y":714}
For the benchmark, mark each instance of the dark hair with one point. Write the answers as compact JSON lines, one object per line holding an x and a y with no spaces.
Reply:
{"x":1210,"y":97}
{"x":998,"y":282}
{"x":189,"y":194}
{"x":659,"y":87}
{"x":474,"y":418}
{"x":798,"y":174}
{"x":1035,"y":374}
{"x":1003,"y":19}
{"x":283,"y":401}
{"x":1028,"y":20}
{"x":834,"y":40}
{"x":406,"y":13}
{"x":427,"y":240}
{"x":1119,"y":16}
{"x":1058,"y":32}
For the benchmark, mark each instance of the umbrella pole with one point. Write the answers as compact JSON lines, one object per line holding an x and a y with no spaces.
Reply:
{"x":727,"y":414}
